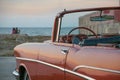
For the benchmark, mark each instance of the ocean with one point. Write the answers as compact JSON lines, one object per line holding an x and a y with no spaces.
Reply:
{"x":43,"y":31}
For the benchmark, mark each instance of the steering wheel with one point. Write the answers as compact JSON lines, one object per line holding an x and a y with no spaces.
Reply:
{"x":81,"y":34}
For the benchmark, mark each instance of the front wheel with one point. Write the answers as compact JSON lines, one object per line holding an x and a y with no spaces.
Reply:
{"x":26,"y":77}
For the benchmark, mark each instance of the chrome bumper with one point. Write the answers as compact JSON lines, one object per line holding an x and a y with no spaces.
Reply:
{"x":16,"y":74}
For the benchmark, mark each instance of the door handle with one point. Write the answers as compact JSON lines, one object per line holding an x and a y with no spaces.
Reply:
{"x":64,"y":51}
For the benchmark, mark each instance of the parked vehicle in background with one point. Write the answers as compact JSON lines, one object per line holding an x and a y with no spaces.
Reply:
{"x":90,"y":49}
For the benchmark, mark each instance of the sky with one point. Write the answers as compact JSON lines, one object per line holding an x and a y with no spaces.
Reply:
{"x":41,"y":13}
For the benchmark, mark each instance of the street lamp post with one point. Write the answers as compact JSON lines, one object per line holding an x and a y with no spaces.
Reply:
{"x":119,"y":2}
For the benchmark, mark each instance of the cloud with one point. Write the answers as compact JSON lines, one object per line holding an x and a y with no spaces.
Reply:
{"x":29,"y":7}
{"x":32,"y":13}
{"x":40,"y":7}
{"x":74,"y":4}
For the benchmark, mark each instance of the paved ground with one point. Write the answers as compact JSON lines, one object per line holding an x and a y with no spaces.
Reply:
{"x":7,"y":65}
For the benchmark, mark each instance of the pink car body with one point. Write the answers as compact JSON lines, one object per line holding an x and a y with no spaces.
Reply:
{"x":63,"y":60}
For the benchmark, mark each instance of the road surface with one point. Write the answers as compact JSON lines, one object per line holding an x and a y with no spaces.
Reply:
{"x":7,"y":65}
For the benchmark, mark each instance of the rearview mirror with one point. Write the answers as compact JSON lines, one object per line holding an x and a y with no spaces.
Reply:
{"x":102,"y":18}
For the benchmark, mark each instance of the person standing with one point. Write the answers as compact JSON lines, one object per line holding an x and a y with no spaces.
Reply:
{"x":16,"y":30}
{"x":13,"y":31}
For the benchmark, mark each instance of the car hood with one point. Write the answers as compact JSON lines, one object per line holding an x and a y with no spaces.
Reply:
{"x":27,"y":50}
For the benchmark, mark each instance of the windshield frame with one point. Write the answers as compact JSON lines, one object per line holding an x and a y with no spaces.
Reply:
{"x":58,"y":19}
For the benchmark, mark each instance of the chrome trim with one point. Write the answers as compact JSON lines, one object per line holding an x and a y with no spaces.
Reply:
{"x":16,"y":74}
{"x":57,"y":67}
{"x":58,"y":31}
{"x":80,"y":75}
{"x":38,"y":61}
{"x":64,"y":51}
{"x":96,"y":68}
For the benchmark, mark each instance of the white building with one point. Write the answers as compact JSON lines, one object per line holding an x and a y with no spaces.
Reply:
{"x":104,"y":27}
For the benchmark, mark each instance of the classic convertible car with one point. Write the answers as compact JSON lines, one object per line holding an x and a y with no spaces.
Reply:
{"x":85,"y":45}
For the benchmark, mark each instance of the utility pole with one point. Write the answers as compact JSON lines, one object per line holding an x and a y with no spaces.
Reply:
{"x":119,"y":2}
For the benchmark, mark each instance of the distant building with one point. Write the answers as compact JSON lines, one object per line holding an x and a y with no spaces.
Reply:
{"x":112,"y":26}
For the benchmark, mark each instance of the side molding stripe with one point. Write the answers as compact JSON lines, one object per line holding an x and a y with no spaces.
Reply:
{"x":95,"y":68}
{"x":57,"y":67}
{"x":80,"y":75}
{"x":38,"y":61}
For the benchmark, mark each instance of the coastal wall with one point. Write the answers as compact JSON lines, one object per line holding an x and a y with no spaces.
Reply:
{"x":9,"y":41}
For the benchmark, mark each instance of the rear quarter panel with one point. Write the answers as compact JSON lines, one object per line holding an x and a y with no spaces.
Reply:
{"x":100,"y":63}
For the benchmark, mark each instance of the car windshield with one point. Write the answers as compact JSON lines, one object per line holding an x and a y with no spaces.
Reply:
{"x":91,"y":28}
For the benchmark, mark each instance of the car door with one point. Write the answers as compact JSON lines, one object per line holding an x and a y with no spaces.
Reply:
{"x":52,"y":58}
{"x":75,"y":58}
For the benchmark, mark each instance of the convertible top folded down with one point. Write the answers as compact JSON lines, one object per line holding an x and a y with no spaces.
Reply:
{"x":107,"y":40}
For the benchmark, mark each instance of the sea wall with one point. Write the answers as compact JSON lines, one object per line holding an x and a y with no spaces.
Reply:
{"x":9,"y":41}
